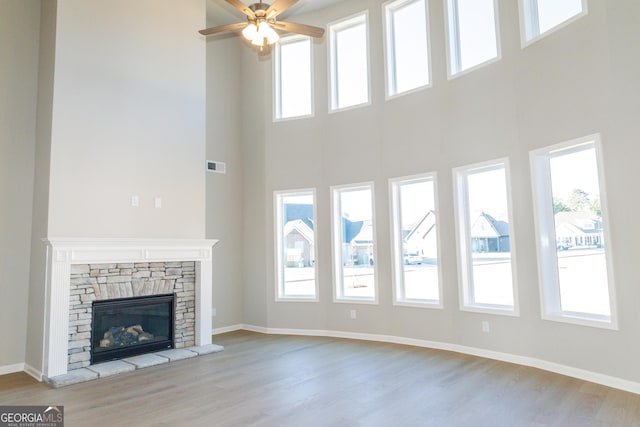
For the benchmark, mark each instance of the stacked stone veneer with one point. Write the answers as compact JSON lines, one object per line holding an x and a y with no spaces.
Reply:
{"x":91,"y":282}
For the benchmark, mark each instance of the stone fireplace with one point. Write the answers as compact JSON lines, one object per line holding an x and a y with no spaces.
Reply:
{"x":82,"y":271}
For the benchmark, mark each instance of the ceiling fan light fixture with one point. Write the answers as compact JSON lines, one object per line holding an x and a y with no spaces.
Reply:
{"x":266,"y":32}
{"x":272,"y":36}
{"x":260,"y":25}
{"x":250,"y":31}
{"x":258,"y":41}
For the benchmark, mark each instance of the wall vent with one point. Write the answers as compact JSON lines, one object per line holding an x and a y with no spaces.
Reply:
{"x":218,"y":167}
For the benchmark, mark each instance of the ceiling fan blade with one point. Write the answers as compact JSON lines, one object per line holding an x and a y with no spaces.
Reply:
{"x":221,"y":28}
{"x":292,"y":27}
{"x":242,"y":8}
{"x":278,"y":7}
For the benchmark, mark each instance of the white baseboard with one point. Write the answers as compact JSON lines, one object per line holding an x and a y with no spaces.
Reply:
{"x":225,"y":329}
{"x":570,"y":371}
{"x":35,"y":373}
{"x":11,"y":369}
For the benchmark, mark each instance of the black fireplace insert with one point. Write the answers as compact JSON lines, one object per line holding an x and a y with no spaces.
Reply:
{"x":127,"y":327}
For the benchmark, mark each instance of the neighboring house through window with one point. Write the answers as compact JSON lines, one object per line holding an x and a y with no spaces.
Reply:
{"x":485,"y":238}
{"x":295,"y":245}
{"x":415,"y":241}
{"x":354,"y":251}
{"x":575,"y":270}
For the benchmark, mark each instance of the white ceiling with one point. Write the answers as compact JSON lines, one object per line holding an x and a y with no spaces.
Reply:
{"x":219,"y":12}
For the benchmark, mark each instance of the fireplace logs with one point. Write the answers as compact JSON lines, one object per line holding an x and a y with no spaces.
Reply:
{"x":120,"y":336}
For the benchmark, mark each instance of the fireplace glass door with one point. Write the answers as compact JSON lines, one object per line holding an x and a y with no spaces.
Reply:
{"x":131,"y":326}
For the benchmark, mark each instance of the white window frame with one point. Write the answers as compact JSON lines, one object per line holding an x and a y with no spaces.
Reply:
{"x":278,"y":197}
{"x":332,"y":28}
{"x":530,"y":27}
{"x":463,"y":230}
{"x":397,"y":249}
{"x":453,"y":44}
{"x":546,"y":241}
{"x":389,"y":47}
{"x":277,"y":91}
{"x":336,"y":246}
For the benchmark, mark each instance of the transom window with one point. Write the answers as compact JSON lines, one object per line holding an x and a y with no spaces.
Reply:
{"x":293,"y":80}
{"x":407,"y":50}
{"x":539,"y":17}
{"x":572,"y":234}
{"x":472,"y":33}
{"x":349,"y":62}
{"x":485,"y":238}
{"x":354,"y":250}
{"x":415,"y":241}
{"x":295,"y":245}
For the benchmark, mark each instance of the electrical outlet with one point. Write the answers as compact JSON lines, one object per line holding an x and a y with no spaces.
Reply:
{"x":213,"y":312}
{"x":485,"y":327}
{"x":353,"y":314}
{"x":158,"y":202}
{"x":135,"y":201}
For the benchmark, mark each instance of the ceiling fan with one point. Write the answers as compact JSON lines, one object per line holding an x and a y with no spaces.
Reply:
{"x":261,"y":23}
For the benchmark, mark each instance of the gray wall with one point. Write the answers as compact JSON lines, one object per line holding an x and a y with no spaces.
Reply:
{"x":19,"y":35}
{"x":224,"y":220}
{"x":128,"y":119}
{"x":580,"y":80}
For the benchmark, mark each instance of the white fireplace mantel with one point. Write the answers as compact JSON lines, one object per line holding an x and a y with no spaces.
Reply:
{"x":63,"y":252}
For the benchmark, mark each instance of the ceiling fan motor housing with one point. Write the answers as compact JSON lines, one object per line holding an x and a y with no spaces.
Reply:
{"x":260,"y":9}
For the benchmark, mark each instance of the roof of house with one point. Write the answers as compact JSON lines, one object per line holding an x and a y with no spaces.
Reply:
{"x":423,"y":227}
{"x":487,"y":226}
{"x":304,"y":212}
{"x":582,"y":221}
{"x":301,"y":227}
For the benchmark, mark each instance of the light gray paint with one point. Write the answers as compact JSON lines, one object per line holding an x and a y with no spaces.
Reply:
{"x":224,"y":192}
{"x":128,"y":119}
{"x":39,"y":225}
{"x":575,"y":82}
{"x":19,"y":21}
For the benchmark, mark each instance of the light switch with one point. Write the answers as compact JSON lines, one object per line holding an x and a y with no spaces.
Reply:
{"x":158,"y":202}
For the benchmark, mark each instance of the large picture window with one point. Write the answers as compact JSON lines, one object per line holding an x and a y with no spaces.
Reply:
{"x":539,"y":17}
{"x":572,"y":233}
{"x":407,"y":45}
{"x":485,"y":238}
{"x":293,"y":81}
{"x":472,"y":33}
{"x":415,"y":241}
{"x":354,"y":250}
{"x":296,"y":245}
{"x":349,"y":62}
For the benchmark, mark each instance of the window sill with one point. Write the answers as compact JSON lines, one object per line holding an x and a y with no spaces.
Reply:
{"x":594,"y":321}
{"x":491,"y":309}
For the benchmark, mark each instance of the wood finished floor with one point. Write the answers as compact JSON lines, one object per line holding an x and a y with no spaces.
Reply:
{"x":268,"y":380}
